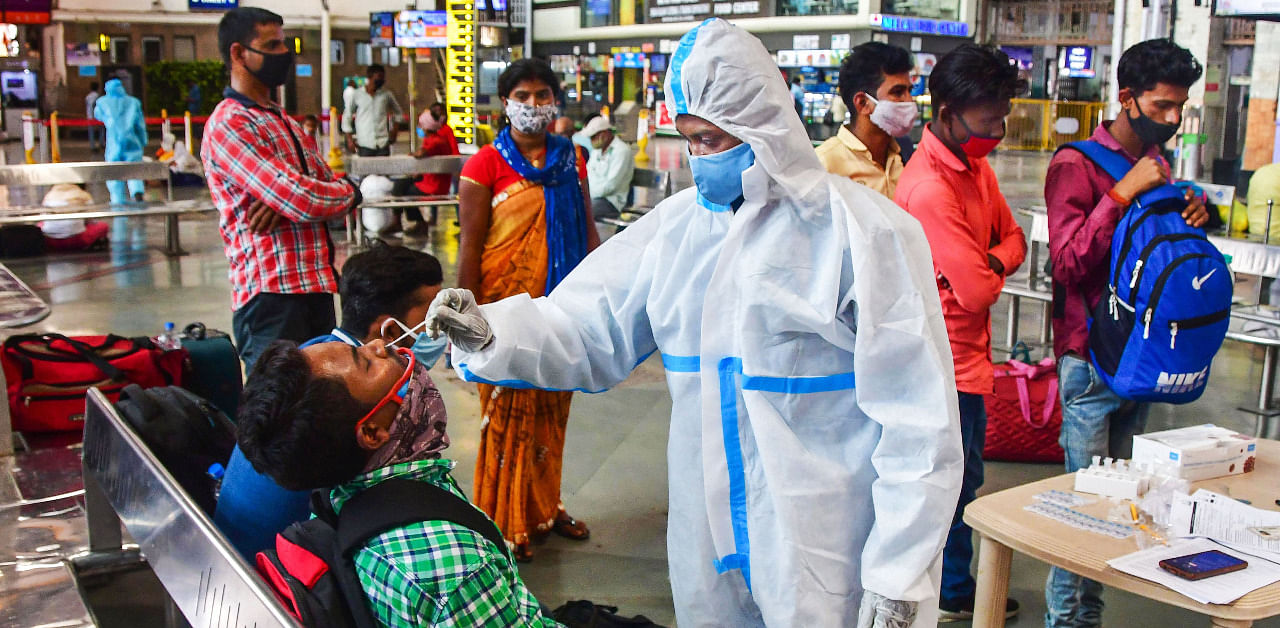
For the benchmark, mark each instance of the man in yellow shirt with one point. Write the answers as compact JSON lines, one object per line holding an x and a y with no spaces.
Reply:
{"x":875,"y":84}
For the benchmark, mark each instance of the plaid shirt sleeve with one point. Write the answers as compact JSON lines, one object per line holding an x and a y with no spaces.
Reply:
{"x":488,"y":599}
{"x":265,"y":163}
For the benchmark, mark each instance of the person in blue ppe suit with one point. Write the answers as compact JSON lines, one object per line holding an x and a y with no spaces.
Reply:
{"x":126,"y":135}
{"x":799,"y":495}
{"x":379,"y":288}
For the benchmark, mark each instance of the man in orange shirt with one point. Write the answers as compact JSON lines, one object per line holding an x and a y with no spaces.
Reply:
{"x":949,"y":187}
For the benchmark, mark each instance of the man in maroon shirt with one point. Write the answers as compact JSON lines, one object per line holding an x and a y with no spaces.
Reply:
{"x":1084,"y":206}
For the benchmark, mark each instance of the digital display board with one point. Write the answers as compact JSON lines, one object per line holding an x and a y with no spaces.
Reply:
{"x":460,"y":69}
{"x":628,"y":60}
{"x":1261,"y":9}
{"x":382,"y":29}
{"x":421,"y":29}
{"x":1075,"y":62}
{"x":210,"y":5}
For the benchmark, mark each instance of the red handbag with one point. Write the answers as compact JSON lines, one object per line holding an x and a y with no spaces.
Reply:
{"x":1024,"y":417}
{"x":49,"y":374}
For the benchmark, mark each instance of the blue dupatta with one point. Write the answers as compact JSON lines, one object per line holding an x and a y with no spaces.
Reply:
{"x":562,"y":193}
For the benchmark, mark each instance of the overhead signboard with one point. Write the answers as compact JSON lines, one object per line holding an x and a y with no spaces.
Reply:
{"x":628,"y":60}
{"x":421,"y":29}
{"x":25,"y":11}
{"x":382,"y":29}
{"x":901,"y":24}
{"x":460,"y":69}
{"x":697,"y":10}
{"x":810,"y":58}
{"x":80,"y":54}
{"x":1261,"y":9}
{"x":207,"y":5}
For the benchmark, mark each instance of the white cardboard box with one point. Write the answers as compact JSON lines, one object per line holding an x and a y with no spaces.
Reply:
{"x":1198,"y":452}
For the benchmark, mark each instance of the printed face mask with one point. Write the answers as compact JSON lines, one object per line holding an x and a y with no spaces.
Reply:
{"x":894,"y":118}
{"x":418,"y":430}
{"x":530,"y":119}
{"x":275,"y":67}
{"x":719,"y":176}
{"x":426,"y":350}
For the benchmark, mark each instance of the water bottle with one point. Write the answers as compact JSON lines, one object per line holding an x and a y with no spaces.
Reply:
{"x":215,"y":472}
{"x":168,"y":341}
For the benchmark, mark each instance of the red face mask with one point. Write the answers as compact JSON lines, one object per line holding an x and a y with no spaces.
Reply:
{"x":979,"y":145}
{"x":397,"y":391}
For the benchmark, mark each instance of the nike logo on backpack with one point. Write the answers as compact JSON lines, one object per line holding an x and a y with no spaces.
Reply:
{"x":1199,"y":281}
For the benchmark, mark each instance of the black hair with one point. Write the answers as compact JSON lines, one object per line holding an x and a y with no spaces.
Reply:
{"x":973,"y":75}
{"x":867,"y":65}
{"x":438,"y":104}
{"x":311,"y":117}
{"x":376,"y":67}
{"x":381,"y":281}
{"x":527,"y":69}
{"x":1154,"y":61}
{"x":296,"y":426}
{"x":795,"y":79}
{"x":240,"y":26}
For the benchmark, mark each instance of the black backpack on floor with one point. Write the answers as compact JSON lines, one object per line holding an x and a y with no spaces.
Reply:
{"x":312,"y":567}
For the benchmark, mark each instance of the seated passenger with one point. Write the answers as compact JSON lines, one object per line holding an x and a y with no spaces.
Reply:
{"x":382,"y":284}
{"x":609,"y":170}
{"x":72,"y":234}
{"x":373,"y":414}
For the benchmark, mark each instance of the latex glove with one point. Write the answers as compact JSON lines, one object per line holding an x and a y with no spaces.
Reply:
{"x":455,"y":314}
{"x":878,"y":611}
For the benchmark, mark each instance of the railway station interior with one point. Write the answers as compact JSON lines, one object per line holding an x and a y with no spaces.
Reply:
{"x":639,"y":313}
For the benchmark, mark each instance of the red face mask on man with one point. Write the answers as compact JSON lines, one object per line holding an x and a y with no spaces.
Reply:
{"x":975,"y":145}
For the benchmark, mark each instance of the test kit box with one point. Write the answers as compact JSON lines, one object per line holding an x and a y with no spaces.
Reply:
{"x":1199,"y":452}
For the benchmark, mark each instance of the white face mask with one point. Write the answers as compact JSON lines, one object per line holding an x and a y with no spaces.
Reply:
{"x":894,"y":118}
{"x":531,"y":119}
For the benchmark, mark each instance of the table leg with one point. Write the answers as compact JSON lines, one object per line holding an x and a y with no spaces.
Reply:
{"x":1046,"y":327}
{"x":1267,"y":387}
{"x":994,"y":560}
{"x":1011,"y":328}
{"x":359,"y":227}
{"x":1219,"y":622}
{"x":172,"y":247}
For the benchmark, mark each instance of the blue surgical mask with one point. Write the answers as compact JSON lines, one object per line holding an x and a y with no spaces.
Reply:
{"x":719,"y":176}
{"x":427,"y":350}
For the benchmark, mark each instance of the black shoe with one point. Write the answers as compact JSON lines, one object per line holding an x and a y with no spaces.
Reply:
{"x":962,"y":610}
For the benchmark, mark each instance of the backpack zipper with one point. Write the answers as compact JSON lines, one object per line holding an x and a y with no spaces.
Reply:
{"x":1128,"y":240}
{"x":1159,"y":289}
{"x":1194,"y":322}
{"x":1150,"y":248}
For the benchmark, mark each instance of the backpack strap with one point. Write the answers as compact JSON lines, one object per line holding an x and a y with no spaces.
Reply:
{"x":400,"y":502}
{"x":1111,"y":162}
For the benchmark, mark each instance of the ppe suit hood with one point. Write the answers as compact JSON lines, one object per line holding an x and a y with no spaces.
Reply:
{"x":115,"y":88}
{"x":724,"y":75}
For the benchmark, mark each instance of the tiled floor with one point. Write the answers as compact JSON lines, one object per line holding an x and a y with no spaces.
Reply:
{"x":615,"y":475}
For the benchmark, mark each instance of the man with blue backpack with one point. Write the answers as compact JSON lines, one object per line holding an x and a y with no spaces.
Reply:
{"x":1116,"y":325}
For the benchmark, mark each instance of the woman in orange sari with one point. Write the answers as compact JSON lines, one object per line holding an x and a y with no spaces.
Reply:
{"x":525,"y":217}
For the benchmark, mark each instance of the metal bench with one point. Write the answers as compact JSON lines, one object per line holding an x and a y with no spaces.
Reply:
{"x":123,"y":482}
{"x":39,"y":175}
{"x":401,"y":166}
{"x":1016,"y":293}
{"x":648,"y":188}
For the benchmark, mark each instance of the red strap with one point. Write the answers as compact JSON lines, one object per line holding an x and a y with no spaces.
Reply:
{"x":299,"y":562}
{"x":278,"y":584}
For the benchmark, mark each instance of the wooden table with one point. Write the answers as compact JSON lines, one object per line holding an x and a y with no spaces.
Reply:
{"x":1003,"y":526}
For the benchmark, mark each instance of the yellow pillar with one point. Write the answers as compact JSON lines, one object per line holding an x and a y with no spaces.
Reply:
{"x":186,"y":120}
{"x":55,"y":155}
{"x":335,"y":153}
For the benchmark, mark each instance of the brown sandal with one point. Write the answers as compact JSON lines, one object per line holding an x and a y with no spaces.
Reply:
{"x":570,"y":528}
{"x":522,"y":553}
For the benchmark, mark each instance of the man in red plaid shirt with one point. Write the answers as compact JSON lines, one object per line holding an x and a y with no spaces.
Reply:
{"x":273,"y":192}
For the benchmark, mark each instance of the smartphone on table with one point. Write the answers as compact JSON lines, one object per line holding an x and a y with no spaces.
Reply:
{"x":1203,"y":565}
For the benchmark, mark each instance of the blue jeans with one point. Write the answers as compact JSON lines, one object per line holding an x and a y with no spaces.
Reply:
{"x":1095,"y":422}
{"x":957,"y":583}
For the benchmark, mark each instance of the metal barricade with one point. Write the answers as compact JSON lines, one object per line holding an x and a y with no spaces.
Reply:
{"x":1046,"y":124}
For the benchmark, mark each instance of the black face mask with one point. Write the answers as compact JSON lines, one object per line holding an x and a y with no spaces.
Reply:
{"x":1151,"y":133}
{"x":275,"y":67}
{"x":377,"y":85}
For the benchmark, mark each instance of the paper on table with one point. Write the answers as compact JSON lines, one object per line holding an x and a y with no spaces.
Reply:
{"x":1222,"y":589}
{"x":1221,"y":518}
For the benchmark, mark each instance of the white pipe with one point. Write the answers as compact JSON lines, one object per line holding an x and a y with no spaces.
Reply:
{"x":326,"y":58}
{"x":1117,"y":48}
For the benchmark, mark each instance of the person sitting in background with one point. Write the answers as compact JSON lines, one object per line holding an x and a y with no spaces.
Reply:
{"x":378,"y":285}
{"x":875,"y":84}
{"x":72,"y":234}
{"x":563,"y":126}
{"x":437,"y":139}
{"x":368,"y":415}
{"x":609,"y":170}
{"x":311,"y":126}
{"x":581,"y":138}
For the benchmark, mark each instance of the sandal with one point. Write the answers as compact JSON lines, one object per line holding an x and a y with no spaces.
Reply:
{"x":522,"y":553}
{"x":570,"y":528}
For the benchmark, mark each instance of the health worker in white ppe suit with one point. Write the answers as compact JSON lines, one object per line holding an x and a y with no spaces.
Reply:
{"x":797,"y":497}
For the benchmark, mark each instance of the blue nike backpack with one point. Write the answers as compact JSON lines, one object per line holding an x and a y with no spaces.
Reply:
{"x":1153,"y":335}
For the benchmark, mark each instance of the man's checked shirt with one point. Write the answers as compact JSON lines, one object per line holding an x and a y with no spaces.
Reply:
{"x":437,"y":573}
{"x":253,"y":153}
